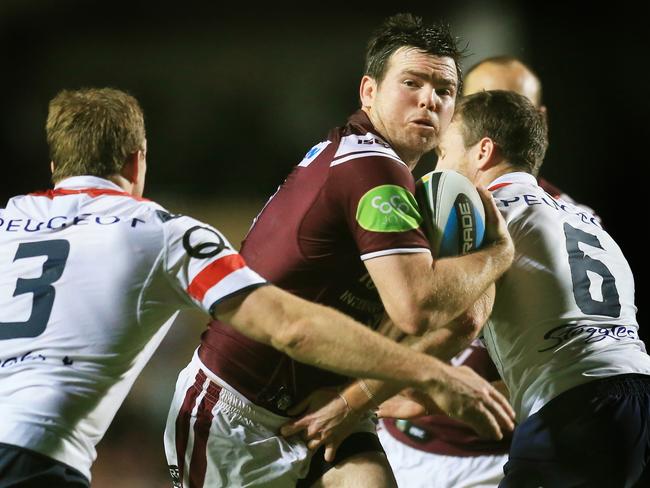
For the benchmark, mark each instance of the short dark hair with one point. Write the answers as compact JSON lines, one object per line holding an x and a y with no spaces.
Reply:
{"x":514,"y":124}
{"x":407,"y":30}
{"x":92,"y":131}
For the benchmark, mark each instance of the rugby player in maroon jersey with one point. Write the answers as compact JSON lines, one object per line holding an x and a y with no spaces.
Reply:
{"x":343,"y":230}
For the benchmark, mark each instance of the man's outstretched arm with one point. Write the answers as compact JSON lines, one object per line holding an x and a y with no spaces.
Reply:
{"x":325,"y":338}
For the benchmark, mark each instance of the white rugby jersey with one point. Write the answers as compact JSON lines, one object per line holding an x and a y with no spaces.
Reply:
{"x":90,"y":280}
{"x":564,"y":312}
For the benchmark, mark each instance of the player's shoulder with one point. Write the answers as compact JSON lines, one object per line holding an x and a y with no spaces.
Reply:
{"x":359,"y":148}
{"x":516,"y":189}
{"x":519,"y":197}
{"x":523,"y":202}
{"x":125,"y":207}
{"x":189,"y":231}
{"x":144,"y":214}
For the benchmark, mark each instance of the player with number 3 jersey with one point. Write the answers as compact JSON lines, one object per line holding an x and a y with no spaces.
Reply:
{"x":71,"y":345}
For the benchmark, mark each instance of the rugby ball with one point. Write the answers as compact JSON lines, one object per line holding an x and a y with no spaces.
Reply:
{"x":453,"y":216}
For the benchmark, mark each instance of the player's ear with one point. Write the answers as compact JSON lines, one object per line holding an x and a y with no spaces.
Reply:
{"x":542,"y":110}
{"x":367,"y":91}
{"x":130,"y":168}
{"x":488,"y":154}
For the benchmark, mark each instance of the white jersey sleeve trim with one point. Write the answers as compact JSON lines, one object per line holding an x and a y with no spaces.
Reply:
{"x":399,"y":250}
{"x":235,"y":282}
{"x":356,"y":146}
{"x":364,"y":154}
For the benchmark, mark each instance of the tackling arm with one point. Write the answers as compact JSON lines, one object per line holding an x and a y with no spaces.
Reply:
{"x":443,"y":343}
{"x":420,"y":294}
{"x":325,"y":338}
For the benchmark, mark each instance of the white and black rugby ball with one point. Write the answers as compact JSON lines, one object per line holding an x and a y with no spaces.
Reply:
{"x":453,"y":216}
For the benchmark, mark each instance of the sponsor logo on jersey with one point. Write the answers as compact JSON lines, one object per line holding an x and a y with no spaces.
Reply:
{"x":27,"y":357}
{"x":388,"y":208}
{"x":62,"y":221}
{"x":587,"y":334}
{"x":558,"y":205}
{"x":313,"y":153}
{"x":372,"y":139}
{"x":166,"y":216}
{"x":203,"y":242}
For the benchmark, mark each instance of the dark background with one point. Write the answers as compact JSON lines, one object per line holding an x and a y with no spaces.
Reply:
{"x":234,"y":96}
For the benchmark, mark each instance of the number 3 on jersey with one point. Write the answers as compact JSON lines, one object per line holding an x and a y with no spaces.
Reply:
{"x":43,"y":292}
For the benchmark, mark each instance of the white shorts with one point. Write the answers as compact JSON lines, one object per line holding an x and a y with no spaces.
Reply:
{"x":215,"y":437}
{"x":414,"y":468}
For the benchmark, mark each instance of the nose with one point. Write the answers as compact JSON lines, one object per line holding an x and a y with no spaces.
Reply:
{"x":429,"y":99}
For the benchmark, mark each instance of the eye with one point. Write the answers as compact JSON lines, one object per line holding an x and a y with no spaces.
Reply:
{"x":411,"y":83}
{"x":446,"y":92}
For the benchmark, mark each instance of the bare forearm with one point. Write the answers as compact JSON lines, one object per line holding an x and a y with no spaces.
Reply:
{"x":369,"y":394}
{"x":461,"y":281}
{"x":322,"y":337}
{"x":446,"y":342}
{"x":420,"y":294}
{"x":443,"y":343}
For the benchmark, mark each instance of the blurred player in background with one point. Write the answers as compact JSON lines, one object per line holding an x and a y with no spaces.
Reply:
{"x":92,"y":276}
{"x":510,"y":73}
{"x":342,"y":230}
{"x":563,"y":331}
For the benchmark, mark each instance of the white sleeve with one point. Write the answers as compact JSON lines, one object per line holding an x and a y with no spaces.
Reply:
{"x":201,"y":261}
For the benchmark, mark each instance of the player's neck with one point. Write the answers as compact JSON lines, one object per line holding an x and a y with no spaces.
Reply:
{"x":491,"y":174}
{"x":122,"y":182}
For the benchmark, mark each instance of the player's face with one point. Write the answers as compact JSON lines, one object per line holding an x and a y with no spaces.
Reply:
{"x":414,"y":102}
{"x":511,"y":77}
{"x":452,"y":153}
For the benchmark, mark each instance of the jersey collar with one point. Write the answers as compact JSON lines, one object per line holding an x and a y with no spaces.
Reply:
{"x":92,"y":186}
{"x":359,"y":122}
{"x":514,"y":177}
{"x":82,"y":182}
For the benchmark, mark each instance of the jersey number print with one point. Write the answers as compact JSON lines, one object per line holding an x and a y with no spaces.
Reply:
{"x":56,"y":251}
{"x":581,"y":264}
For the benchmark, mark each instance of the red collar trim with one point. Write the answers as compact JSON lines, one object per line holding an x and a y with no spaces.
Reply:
{"x":497,"y":186}
{"x":93,"y":192}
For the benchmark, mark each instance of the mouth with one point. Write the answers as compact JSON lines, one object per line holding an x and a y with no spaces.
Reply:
{"x":424,"y":123}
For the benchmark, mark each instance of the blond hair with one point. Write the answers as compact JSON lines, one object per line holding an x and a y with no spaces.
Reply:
{"x":92,"y":131}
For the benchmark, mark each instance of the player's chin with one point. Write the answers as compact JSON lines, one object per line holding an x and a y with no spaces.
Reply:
{"x":425,"y":142}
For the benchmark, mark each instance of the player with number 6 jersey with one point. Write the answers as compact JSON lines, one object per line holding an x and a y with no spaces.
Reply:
{"x":577,"y":297}
{"x":563,"y":331}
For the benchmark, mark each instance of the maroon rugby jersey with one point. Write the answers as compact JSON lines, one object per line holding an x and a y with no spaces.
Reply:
{"x":440,"y":434}
{"x":349,"y":199}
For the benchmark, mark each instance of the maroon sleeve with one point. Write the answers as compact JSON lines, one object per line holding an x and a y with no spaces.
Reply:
{"x":378,"y":184}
